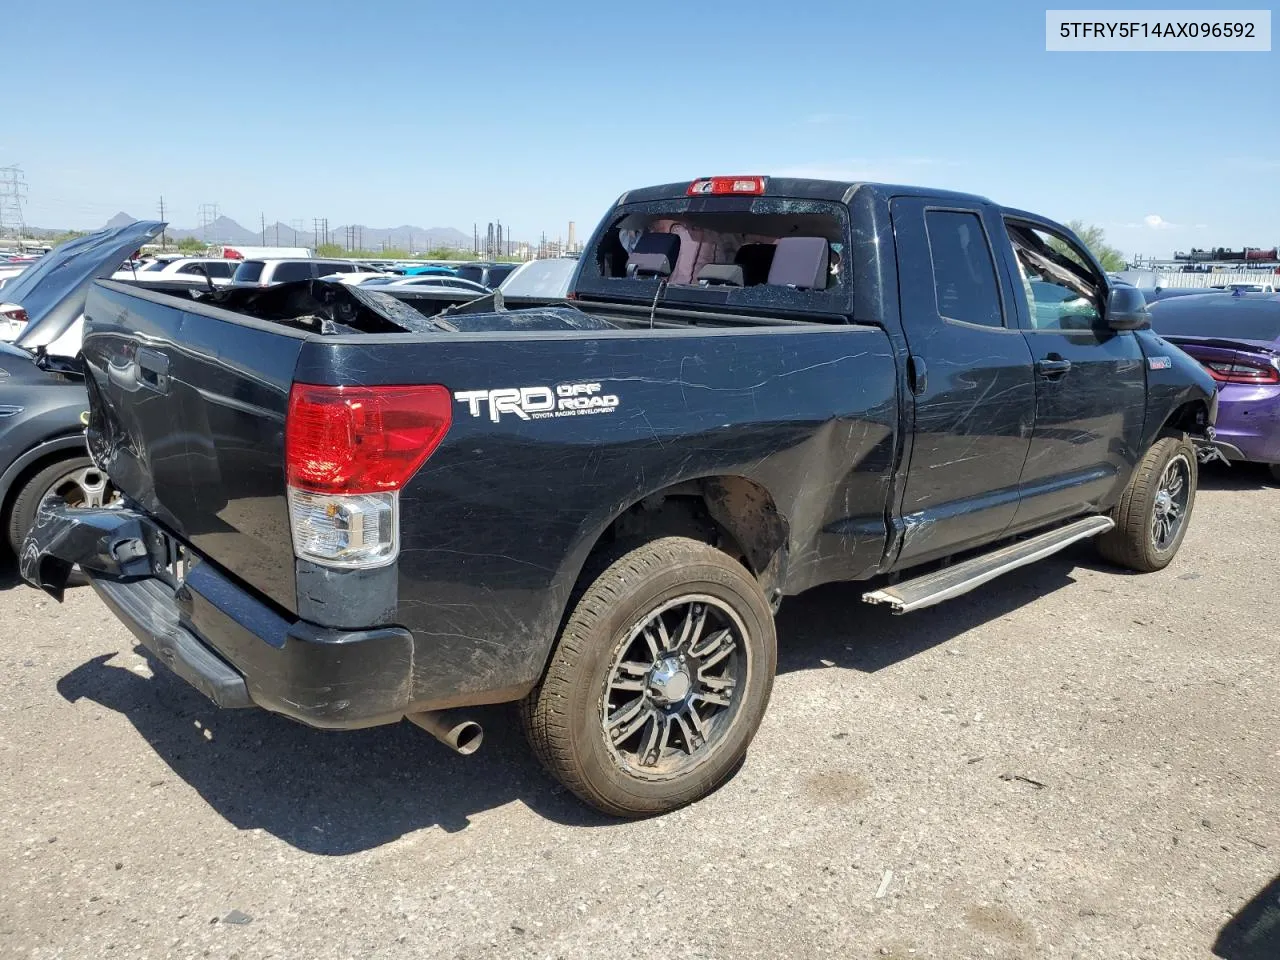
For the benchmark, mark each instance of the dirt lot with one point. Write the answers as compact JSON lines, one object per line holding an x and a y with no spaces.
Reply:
{"x":1071,"y":763}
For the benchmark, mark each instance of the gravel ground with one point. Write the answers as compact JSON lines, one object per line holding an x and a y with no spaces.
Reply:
{"x":1073,"y":762}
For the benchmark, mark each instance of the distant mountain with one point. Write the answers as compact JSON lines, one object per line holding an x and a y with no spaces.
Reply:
{"x":405,"y":237}
{"x":119,"y":220}
{"x":221,"y":230}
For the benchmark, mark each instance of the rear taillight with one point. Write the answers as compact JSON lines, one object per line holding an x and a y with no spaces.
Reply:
{"x":13,"y":320}
{"x":348,"y":452}
{"x":1241,"y":371}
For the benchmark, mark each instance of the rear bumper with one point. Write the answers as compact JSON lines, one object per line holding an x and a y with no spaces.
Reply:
{"x":1249,"y":421}
{"x":220,"y":638}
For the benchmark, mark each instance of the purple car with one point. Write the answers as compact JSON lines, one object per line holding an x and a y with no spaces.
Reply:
{"x":1237,"y":339}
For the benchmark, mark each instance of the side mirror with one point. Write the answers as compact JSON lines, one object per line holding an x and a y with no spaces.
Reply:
{"x":1127,"y":309}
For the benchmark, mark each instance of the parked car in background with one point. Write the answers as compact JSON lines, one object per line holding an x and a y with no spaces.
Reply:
{"x":540,"y":279}
{"x":1237,"y":340}
{"x":447,"y":282}
{"x":1157,"y":294}
{"x":239,"y":252}
{"x":358,"y":278}
{"x":53,"y":288}
{"x":1245,"y":287}
{"x":217,"y":270}
{"x":429,"y":270}
{"x":268,"y":272}
{"x":10,"y":270}
{"x":486,"y":274}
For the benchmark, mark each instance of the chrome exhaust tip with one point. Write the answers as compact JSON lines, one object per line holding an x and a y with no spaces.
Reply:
{"x":460,"y":734}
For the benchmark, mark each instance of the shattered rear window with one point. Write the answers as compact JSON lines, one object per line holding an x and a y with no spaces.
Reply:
{"x":766,"y":252}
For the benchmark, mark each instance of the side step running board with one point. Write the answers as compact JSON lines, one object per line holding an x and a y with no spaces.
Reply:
{"x":962,"y":577}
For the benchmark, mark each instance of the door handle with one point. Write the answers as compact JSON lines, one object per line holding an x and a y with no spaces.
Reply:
{"x":153,"y":370}
{"x":1053,"y":367}
{"x":917,"y":375}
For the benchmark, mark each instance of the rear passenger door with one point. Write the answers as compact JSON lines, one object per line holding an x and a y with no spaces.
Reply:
{"x":1091,"y":386}
{"x":970,"y":374}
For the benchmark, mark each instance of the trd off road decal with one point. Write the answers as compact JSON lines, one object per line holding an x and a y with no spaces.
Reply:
{"x":1160,"y":363}
{"x":538,"y":403}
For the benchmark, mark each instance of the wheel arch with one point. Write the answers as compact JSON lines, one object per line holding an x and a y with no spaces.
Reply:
{"x":32,"y":461}
{"x":1191,"y":417}
{"x":727,"y":511}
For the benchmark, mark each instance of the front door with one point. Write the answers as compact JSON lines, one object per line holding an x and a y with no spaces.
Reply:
{"x":1090,"y":380}
{"x":972,"y":379}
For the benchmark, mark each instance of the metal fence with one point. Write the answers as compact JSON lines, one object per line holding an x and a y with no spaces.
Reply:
{"x":1183,"y":281}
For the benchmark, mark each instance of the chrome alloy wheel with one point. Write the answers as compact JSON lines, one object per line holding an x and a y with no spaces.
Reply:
{"x":671,"y":693}
{"x":1170,"y":508}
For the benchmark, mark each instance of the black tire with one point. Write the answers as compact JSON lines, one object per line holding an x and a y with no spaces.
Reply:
{"x":41,"y":484}
{"x":565,"y":718}
{"x":1134,"y":542}
{"x":1275,"y":471}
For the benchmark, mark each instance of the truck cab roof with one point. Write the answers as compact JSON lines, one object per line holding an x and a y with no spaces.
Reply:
{"x":801,"y":188}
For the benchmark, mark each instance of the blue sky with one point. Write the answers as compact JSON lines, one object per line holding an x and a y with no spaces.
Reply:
{"x":440,"y":114}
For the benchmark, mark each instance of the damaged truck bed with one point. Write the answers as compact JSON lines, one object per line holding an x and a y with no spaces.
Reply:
{"x":350,"y":510}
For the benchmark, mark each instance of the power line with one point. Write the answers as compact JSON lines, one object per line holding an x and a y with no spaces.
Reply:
{"x":164,"y":237}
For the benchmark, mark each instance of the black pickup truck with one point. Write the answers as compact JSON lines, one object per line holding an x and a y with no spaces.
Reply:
{"x":348,"y":511}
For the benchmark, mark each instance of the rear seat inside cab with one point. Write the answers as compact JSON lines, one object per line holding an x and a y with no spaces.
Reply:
{"x":654,"y":255}
{"x":801,"y":263}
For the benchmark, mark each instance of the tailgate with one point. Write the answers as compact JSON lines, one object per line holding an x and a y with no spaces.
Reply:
{"x":187,"y":417}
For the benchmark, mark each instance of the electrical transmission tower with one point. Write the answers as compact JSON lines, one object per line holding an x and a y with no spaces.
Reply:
{"x":209,"y":222}
{"x":13,"y":194}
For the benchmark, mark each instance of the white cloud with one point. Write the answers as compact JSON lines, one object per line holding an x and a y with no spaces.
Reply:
{"x":884,"y":170}
{"x":1153,"y":221}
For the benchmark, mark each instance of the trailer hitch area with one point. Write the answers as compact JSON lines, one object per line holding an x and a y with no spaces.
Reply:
{"x":1209,"y":449}
{"x":109,"y":542}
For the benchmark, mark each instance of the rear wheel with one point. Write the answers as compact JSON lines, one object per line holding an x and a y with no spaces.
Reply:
{"x":658,"y":682}
{"x":1155,"y":508}
{"x":74,"y":481}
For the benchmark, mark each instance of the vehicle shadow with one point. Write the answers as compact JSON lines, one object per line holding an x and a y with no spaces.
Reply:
{"x":334,"y":793}
{"x":325,"y":792}
{"x":1235,"y":476}
{"x":831,"y":625}
{"x":1254,"y":932}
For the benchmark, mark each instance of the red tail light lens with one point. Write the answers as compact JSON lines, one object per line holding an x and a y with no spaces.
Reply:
{"x":13,"y":312}
{"x":362,"y":439}
{"x":726,"y":186}
{"x":1241,"y":371}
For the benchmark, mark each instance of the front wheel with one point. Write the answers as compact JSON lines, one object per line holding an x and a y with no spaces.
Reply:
{"x":1155,"y":508}
{"x":658,"y":682}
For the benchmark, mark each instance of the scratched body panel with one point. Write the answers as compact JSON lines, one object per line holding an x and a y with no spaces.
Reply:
{"x":497,"y":524}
